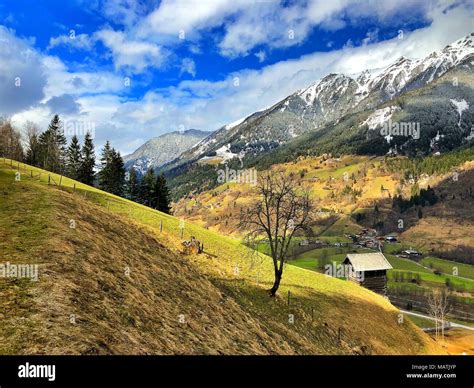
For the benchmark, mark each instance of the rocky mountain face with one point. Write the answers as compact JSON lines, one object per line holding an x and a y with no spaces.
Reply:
{"x":327,"y":101}
{"x":162,"y":149}
{"x":413,"y":107}
{"x":434,"y":119}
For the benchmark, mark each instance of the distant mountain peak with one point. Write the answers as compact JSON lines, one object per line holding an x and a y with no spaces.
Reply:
{"x":329,"y":99}
{"x":162,"y":149}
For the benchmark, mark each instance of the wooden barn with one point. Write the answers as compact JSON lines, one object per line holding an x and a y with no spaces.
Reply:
{"x":369,"y":270}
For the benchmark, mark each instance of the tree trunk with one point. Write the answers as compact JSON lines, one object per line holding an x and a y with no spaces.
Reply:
{"x":276,"y":283}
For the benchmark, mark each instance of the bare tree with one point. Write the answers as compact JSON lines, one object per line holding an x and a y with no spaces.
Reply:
{"x":282,"y":209}
{"x":439,"y":305}
{"x":10,"y":141}
{"x":433,"y":309}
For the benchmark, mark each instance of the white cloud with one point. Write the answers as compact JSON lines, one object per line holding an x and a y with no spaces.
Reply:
{"x":62,"y":81}
{"x":188,"y":66}
{"x":133,"y":55}
{"x":248,"y":24}
{"x":261,"y":55}
{"x":371,"y":37}
{"x":71,"y":40}
{"x":125,"y":12}
{"x":207,"y":104}
{"x":194,"y":49}
{"x":150,"y":33}
{"x":173,"y":16}
{"x":22,"y":78}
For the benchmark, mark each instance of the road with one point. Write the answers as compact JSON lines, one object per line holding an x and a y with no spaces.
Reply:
{"x":453,"y":324}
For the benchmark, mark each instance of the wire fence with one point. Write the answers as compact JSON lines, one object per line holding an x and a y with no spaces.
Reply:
{"x":163,"y":223}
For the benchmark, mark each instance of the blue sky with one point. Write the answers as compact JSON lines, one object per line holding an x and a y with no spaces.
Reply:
{"x":132,"y":70}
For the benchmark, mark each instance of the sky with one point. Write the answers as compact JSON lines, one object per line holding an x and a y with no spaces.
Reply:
{"x":130,"y":70}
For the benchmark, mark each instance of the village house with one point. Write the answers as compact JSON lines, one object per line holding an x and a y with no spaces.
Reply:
{"x":369,"y":270}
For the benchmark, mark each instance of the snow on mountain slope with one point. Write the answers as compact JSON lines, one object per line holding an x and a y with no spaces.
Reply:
{"x":461,"y":106}
{"x":406,"y":74}
{"x":162,"y":149}
{"x":380,"y":116}
{"x":328,"y":100}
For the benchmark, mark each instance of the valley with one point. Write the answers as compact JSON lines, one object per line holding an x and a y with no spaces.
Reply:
{"x":357,"y":211}
{"x":134,"y":253}
{"x":193,"y":189}
{"x":338,"y":221}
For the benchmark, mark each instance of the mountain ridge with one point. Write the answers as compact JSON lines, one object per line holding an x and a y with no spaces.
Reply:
{"x":442,"y":112}
{"x":327,"y":100}
{"x":162,"y":149}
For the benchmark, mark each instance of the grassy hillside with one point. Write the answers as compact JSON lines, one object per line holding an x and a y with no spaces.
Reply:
{"x":117,"y":283}
{"x":351,"y":186}
{"x":355,"y":192}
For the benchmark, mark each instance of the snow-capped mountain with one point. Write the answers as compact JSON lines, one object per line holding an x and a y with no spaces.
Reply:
{"x":406,"y":74}
{"x":162,"y":149}
{"x":328,"y":100}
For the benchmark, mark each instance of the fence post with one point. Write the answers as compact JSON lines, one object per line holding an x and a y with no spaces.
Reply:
{"x":74,"y":187}
{"x":31,"y":173}
{"x":49,"y":179}
{"x":108,"y":203}
{"x":161,"y":226}
{"x":60,"y":180}
{"x":289,"y":296}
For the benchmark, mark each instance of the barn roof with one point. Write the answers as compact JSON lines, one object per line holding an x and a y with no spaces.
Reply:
{"x":368,"y":261}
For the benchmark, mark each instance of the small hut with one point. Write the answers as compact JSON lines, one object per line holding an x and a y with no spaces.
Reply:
{"x":369,"y":270}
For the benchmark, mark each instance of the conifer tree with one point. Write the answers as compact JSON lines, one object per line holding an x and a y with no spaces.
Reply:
{"x":105,"y":173}
{"x":147,"y":187}
{"x":162,"y":194}
{"x":118,"y":173}
{"x":74,"y":159}
{"x":53,"y":147}
{"x":132,"y":185}
{"x":112,"y":173}
{"x":86,"y":174}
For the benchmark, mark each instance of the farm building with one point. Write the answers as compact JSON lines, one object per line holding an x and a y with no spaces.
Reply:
{"x":369,"y":270}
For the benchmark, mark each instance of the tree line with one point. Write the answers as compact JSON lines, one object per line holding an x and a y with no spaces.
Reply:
{"x":50,"y":150}
{"x":425,"y":196}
